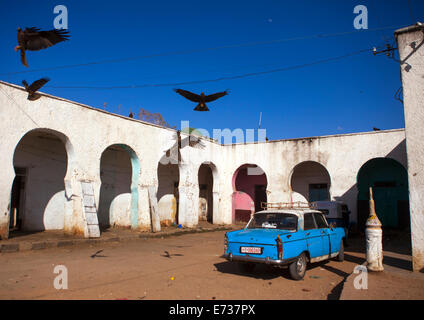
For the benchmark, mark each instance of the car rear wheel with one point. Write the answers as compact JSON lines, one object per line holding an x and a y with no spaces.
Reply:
{"x":298,"y":268}
{"x":246,"y":267}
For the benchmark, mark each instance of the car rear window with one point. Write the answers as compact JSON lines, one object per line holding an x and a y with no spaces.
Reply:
{"x":265,"y":220}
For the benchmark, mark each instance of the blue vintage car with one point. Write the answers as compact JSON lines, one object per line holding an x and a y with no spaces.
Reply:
{"x":286,"y":237}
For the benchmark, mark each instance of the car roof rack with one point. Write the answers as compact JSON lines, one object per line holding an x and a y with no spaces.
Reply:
{"x":287,"y":205}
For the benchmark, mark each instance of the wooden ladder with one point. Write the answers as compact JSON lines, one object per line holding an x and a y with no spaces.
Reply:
{"x":89,"y":208}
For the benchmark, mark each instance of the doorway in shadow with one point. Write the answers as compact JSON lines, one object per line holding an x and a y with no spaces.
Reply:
{"x":310,"y":181}
{"x":167,"y":194}
{"x":118,"y":199}
{"x":38,"y":192}
{"x":249,"y":185}
{"x":389,"y":181}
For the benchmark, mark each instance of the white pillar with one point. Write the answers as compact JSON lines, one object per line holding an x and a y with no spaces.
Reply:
{"x":411,"y":52}
{"x":188,"y":192}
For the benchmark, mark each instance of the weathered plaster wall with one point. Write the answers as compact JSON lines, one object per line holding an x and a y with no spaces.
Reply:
{"x":411,"y":51}
{"x":87,"y":132}
{"x":341,"y":155}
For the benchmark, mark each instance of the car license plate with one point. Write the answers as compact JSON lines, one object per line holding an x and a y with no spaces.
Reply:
{"x":251,"y":250}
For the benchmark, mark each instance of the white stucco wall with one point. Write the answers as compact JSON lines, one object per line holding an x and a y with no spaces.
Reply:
{"x":87,"y":132}
{"x":411,"y":52}
{"x":341,"y":155}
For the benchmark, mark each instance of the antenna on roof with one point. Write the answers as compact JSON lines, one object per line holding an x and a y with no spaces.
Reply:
{"x":260,"y":119}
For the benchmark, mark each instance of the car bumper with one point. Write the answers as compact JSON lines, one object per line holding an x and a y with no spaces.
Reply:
{"x":267,"y":260}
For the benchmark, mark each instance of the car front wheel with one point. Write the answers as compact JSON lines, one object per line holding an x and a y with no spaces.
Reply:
{"x":298,"y":268}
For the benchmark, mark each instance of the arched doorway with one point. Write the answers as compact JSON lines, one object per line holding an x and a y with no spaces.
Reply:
{"x":249,"y":186}
{"x":38,"y":200}
{"x":310,"y":182}
{"x":118,"y":200}
{"x":208,"y":192}
{"x":389,"y":181}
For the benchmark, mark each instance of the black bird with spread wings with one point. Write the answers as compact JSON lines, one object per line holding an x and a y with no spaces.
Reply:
{"x":34,"y":87}
{"x":201,"y":99}
{"x":33,"y":39}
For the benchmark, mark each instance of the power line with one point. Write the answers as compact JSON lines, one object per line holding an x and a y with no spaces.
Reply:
{"x":245,"y":75}
{"x":410,"y":11}
{"x":17,"y":104}
{"x":249,"y":44}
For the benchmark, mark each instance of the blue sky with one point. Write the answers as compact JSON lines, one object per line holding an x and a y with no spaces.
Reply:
{"x":348,"y":95}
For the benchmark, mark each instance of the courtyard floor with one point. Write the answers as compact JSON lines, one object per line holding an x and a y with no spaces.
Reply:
{"x":189,"y":266}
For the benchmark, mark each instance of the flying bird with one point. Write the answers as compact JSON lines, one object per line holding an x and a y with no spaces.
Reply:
{"x":34,"y":87}
{"x":33,"y":39}
{"x":174,"y":152}
{"x":201,"y":99}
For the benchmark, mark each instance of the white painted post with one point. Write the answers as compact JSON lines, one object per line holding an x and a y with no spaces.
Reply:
{"x":374,"y":239}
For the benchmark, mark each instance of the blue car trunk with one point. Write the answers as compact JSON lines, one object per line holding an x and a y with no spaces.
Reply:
{"x":255,"y":238}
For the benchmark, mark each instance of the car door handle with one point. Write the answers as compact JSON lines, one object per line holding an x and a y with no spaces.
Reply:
{"x":308,"y":233}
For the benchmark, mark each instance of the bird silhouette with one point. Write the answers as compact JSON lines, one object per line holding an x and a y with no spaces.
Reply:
{"x":33,"y":39}
{"x":34,"y":87}
{"x":201,"y":99}
{"x":96,"y":255}
{"x":168,"y":255}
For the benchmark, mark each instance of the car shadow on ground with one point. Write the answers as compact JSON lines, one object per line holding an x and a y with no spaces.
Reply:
{"x":260,"y":271}
{"x":266,"y":272}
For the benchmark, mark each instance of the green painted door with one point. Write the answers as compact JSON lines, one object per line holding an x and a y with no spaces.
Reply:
{"x":386,"y":205}
{"x":389,"y":181}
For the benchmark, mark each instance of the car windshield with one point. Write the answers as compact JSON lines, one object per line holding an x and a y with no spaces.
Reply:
{"x":273,"y":220}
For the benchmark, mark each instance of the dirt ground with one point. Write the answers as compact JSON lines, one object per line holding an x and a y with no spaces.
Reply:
{"x":408,"y":286}
{"x":184,"y":267}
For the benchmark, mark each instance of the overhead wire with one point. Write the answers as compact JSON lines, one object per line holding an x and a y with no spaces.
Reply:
{"x":231,"y":77}
{"x":182,"y":52}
